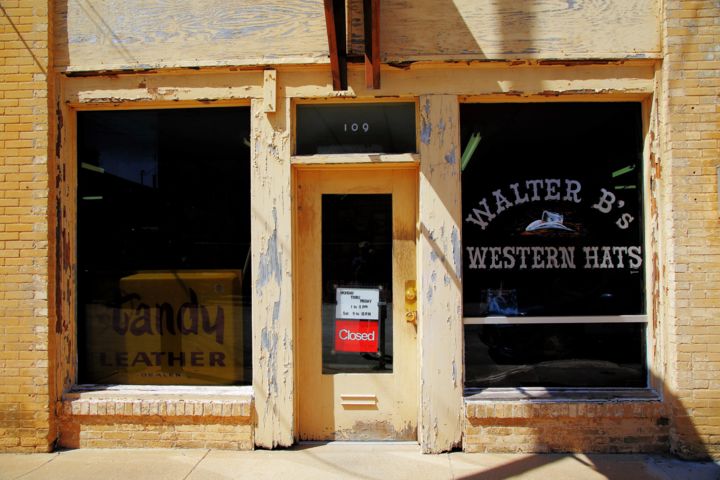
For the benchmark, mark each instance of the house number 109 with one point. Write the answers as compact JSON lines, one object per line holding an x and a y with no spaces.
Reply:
{"x":355,"y":127}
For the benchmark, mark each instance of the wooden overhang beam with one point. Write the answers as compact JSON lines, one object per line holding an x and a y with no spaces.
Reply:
{"x":335,"y":21}
{"x":371,"y":20}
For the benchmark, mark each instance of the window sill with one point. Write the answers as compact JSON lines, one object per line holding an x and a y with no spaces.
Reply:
{"x":351,"y":158}
{"x":560,"y":395}
{"x":158,"y":400}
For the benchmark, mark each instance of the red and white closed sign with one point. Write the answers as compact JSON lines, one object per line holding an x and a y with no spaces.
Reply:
{"x":356,"y":336}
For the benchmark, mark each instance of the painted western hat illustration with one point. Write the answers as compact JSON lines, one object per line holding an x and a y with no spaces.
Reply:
{"x":549,"y":221}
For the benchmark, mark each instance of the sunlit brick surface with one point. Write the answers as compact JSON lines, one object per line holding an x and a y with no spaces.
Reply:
{"x":24,"y":401}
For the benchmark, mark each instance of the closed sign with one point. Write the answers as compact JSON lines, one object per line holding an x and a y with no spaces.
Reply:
{"x":356,"y":336}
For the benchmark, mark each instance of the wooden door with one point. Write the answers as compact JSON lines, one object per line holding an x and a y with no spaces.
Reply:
{"x":357,"y":353}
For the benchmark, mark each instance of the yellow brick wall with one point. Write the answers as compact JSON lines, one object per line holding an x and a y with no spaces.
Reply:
{"x":600,"y":427}
{"x":691,"y":137}
{"x":24,"y":411}
{"x":156,"y":423}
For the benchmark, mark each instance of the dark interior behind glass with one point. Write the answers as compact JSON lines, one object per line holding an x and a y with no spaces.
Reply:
{"x":357,"y":254}
{"x":553,"y":227}
{"x":556,"y":355}
{"x":164,"y":246}
{"x":355,"y":128}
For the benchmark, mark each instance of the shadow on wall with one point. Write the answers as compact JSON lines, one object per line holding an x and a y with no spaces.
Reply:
{"x":637,"y":467}
{"x":510,"y":30}
{"x":610,"y":466}
{"x":424,"y":29}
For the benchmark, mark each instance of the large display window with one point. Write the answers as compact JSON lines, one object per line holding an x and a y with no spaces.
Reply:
{"x":553,"y":245}
{"x":164,"y":246}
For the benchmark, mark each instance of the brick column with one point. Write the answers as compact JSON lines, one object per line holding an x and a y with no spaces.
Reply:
{"x":24,"y":400}
{"x":691,"y":136}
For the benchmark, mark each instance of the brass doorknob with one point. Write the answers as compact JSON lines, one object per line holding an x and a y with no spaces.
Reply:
{"x":410,"y":294}
{"x":410,"y":301}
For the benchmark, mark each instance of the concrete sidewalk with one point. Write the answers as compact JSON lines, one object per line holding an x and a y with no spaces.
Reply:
{"x":342,"y":461}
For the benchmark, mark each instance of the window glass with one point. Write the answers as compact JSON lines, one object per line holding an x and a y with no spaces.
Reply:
{"x":553,"y":227}
{"x":555,"y":355}
{"x":356,"y":128}
{"x":552,"y":209}
{"x":164,"y":246}
{"x":357,"y":283}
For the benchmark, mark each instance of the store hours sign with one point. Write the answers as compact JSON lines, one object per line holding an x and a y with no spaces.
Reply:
{"x":357,"y":319}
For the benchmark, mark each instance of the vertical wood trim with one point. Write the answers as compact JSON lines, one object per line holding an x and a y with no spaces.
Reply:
{"x":62,"y":257}
{"x":655,"y":278}
{"x":269,"y":90}
{"x":371,"y":18}
{"x":335,"y":21}
{"x":272,"y":333}
{"x":62,"y":221}
{"x":440,"y":275}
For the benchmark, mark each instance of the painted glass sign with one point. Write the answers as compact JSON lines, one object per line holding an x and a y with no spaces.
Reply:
{"x":357,"y":316}
{"x":171,"y":326}
{"x":552,"y":210}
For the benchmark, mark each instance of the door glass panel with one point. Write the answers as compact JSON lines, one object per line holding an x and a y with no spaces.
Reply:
{"x":357,"y":283}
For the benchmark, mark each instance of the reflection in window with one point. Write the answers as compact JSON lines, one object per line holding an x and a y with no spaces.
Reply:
{"x":164,"y":246}
{"x":553,"y":227}
{"x":555,"y":355}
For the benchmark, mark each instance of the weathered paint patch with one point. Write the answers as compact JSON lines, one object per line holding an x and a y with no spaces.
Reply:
{"x":270,"y":260}
{"x":426,"y":124}
{"x":268,"y":340}
{"x":59,"y":127}
{"x":456,"y":251}
{"x":58,"y":270}
{"x":377,"y":430}
{"x":450,"y":156}
{"x":276,"y":311}
{"x":425,"y":132}
{"x":431,"y":287}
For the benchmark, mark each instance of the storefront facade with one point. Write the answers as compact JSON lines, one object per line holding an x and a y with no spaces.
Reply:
{"x":502,"y":238}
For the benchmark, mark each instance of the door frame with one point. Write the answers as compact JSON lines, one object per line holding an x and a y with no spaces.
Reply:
{"x":347,"y":164}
